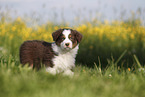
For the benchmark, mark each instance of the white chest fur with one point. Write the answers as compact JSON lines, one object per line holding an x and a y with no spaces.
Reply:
{"x":64,"y":61}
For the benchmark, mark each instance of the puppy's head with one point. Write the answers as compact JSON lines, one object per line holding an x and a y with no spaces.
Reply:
{"x":67,"y":39}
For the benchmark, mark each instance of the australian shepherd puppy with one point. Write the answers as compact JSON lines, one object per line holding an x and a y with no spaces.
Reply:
{"x":58,"y":57}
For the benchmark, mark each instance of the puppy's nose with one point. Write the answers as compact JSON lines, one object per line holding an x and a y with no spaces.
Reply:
{"x":67,"y":44}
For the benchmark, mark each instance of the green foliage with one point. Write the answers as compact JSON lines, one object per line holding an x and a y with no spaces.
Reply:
{"x":114,"y":81}
{"x":106,"y":40}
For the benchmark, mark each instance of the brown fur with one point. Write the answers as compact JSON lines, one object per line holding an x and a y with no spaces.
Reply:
{"x":36,"y":52}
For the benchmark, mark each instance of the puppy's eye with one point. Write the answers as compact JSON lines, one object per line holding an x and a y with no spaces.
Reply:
{"x":63,"y":38}
{"x":70,"y":38}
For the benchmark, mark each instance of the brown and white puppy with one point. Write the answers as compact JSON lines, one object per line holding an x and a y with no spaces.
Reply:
{"x":58,"y":57}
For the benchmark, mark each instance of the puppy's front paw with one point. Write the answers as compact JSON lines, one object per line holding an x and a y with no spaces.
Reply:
{"x":68,"y":73}
{"x":51,"y":70}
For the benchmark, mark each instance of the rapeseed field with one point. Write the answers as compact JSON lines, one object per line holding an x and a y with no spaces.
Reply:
{"x":103,"y":40}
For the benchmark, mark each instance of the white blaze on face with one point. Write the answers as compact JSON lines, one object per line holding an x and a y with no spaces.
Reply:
{"x":67,"y":43}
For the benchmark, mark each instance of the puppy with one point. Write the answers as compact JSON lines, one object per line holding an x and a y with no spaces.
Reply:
{"x":58,"y":57}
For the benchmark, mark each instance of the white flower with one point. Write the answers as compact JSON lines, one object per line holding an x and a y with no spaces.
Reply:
{"x":110,"y":75}
{"x":141,"y":69}
{"x":1,"y":48}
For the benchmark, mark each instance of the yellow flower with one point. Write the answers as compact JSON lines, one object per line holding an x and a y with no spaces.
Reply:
{"x":56,"y":28}
{"x":124,"y":36}
{"x":91,"y":47}
{"x":29,"y":30}
{"x":83,"y":26}
{"x":33,"y":34}
{"x":13,"y":28}
{"x":132,"y":36}
{"x":3,"y":31}
{"x":11,"y":37}
{"x":84,"y":70}
{"x":112,"y":39}
{"x":128,"y":69}
{"x":45,"y":36}
{"x":106,"y":22}
{"x":19,"y":19}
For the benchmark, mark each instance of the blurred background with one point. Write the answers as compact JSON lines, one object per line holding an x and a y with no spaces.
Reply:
{"x":109,"y":27}
{"x":73,"y":12}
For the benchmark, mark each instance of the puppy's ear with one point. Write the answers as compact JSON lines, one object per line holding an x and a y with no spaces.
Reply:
{"x":56,"y":34}
{"x":78,"y":36}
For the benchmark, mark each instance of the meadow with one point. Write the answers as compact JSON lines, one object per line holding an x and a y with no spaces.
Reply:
{"x":110,"y":61}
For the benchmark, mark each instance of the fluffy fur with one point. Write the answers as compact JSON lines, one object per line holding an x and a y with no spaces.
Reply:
{"x":58,"y":57}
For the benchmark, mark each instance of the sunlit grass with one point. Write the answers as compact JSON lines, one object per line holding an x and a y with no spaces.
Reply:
{"x":110,"y":82}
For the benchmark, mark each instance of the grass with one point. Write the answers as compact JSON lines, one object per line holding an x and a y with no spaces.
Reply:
{"x":113,"y":81}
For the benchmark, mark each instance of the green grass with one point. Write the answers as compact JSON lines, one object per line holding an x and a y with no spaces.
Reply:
{"x":113,"y":81}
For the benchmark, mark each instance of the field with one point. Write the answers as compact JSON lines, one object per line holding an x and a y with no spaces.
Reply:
{"x":110,"y":62}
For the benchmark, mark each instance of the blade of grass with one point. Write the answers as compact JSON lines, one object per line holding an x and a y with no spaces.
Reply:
{"x":137,"y":61}
{"x":95,"y":65}
{"x":98,"y":68}
{"x":120,"y":57}
{"x":99,"y":62}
